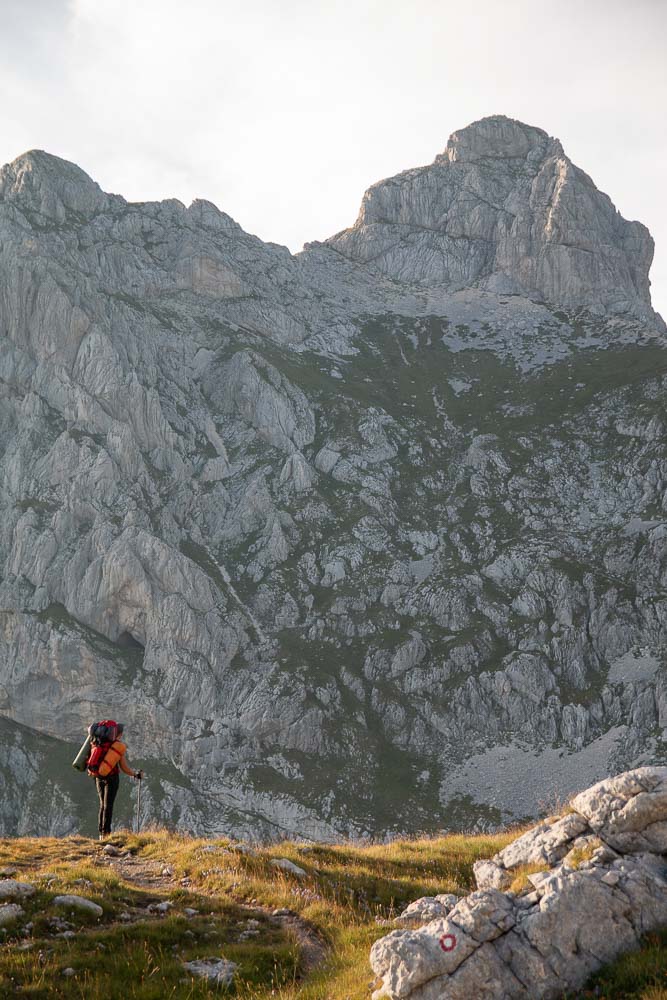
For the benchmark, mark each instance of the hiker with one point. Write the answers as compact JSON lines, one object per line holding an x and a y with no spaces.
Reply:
{"x":107,"y":780}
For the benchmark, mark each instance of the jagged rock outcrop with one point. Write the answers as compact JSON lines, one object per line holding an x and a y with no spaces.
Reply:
{"x":585,"y":909}
{"x":627,"y":813}
{"x":297,"y":519}
{"x":503,"y":208}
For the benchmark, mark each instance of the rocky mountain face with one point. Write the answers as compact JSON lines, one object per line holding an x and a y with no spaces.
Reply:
{"x":504,"y":209}
{"x":363,"y":540}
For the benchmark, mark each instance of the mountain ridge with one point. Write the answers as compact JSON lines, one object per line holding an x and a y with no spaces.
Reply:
{"x":295,"y":519}
{"x":494,"y":138}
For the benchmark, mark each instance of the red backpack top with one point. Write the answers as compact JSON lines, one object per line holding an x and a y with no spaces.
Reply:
{"x":102,"y":735}
{"x":103,"y":732}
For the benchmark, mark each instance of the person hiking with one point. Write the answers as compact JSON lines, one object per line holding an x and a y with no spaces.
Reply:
{"x":107,"y":780}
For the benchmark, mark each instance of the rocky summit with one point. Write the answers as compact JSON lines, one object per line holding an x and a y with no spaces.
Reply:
{"x":364,"y":540}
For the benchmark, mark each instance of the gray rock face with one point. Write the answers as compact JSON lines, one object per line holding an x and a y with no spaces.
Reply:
{"x":503,"y":208}
{"x":545,"y":941}
{"x":428,"y":908}
{"x":350,"y":548}
{"x":628,"y":813}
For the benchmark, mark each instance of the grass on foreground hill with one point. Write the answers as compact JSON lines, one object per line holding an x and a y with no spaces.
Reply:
{"x":321,"y":954}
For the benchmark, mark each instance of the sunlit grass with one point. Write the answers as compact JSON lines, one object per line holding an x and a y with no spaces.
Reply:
{"x":347,"y":894}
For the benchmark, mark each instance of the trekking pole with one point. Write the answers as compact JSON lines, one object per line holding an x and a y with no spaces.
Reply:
{"x":136,"y":821}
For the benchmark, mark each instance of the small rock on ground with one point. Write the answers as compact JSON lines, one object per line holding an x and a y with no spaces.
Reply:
{"x":10,"y":912}
{"x":288,"y":866}
{"x":216,"y":970}
{"x":11,"y":889}
{"x":79,"y":903}
{"x":245,"y":849}
{"x":162,"y":907}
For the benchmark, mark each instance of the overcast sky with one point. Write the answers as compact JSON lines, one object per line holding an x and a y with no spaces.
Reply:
{"x":283,"y":112}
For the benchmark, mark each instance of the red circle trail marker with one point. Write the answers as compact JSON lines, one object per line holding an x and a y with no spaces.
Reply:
{"x":448,"y":942}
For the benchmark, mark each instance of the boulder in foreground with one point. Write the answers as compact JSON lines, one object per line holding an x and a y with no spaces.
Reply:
{"x":603,"y":887}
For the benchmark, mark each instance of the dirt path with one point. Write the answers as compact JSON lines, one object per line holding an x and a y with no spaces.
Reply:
{"x":157,"y":878}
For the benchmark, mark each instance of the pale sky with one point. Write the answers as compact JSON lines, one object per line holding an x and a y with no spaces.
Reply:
{"x":283,"y":112}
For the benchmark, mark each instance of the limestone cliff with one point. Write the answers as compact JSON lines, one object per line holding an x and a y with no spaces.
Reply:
{"x":342,"y":537}
{"x":503,"y":208}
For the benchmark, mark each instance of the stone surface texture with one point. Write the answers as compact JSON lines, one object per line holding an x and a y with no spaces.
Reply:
{"x":288,"y":866}
{"x":218,"y":971}
{"x":9,"y":912}
{"x":428,"y":908}
{"x":364,"y":540}
{"x":73,"y":902}
{"x":11,"y":889}
{"x":503,"y":208}
{"x":549,"y":938}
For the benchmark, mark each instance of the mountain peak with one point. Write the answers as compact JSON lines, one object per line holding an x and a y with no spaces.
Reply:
{"x":50,"y":186}
{"x":504,"y":209}
{"x":499,"y":137}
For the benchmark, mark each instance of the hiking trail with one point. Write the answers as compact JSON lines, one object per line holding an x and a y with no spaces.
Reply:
{"x":156,"y":878}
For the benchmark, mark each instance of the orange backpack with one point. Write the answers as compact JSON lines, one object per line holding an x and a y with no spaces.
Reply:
{"x":111,"y":758}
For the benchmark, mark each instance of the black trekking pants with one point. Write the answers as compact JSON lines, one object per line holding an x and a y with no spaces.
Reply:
{"x":107,"y":789}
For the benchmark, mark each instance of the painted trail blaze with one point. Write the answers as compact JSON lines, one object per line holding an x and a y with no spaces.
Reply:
{"x":448,"y":942}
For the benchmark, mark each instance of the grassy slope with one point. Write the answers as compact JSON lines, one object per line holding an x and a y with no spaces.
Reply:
{"x":347,"y":888}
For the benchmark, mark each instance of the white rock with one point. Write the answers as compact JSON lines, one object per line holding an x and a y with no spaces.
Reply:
{"x":11,"y":889}
{"x":546,"y":843}
{"x":10,"y":912}
{"x":162,"y":907}
{"x":72,"y":902}
{"x":489,"y":875}
{"x":428,"y":908}
{"x":288,"y":866}
{"x":245,"y":849}
{"x":219,"y":971}
{"x":628,"y":812}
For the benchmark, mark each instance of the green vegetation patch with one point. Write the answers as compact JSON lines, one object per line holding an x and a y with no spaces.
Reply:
{"x":336,"y":910}
{"x":641,"y":974}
